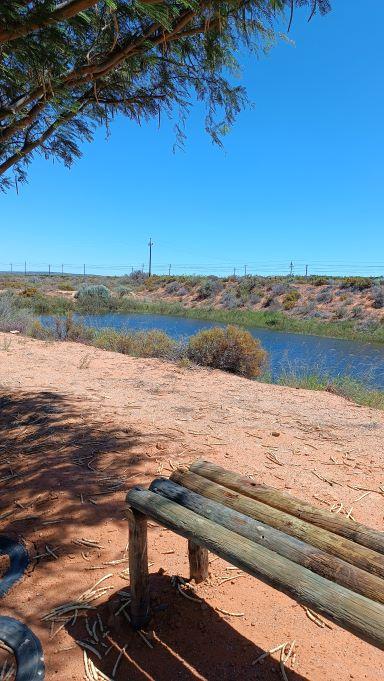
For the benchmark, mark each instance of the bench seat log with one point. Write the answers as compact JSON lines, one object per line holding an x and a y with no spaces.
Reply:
{"x":300,"y":552}
{"x":345,"y":527}
{"x":338,"y":546}
{"x":351,"y":610}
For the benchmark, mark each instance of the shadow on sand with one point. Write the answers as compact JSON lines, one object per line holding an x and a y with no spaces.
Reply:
{"x":64,"y":472}
{"x":188,"y":641}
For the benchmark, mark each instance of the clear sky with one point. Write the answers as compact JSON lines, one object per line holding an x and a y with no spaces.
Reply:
{"x":301,"y":177}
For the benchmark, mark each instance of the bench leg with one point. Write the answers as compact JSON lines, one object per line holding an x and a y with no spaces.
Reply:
{"x":198,"y":562}
{"x":138,"y":568}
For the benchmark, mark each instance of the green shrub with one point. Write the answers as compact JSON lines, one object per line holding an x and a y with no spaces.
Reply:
{"x":378,"y":297}
{"x":65,"y":286}
{"x":152,"y":343}
{"x":12,"y":318}
{"x":66,"y":329}
{"x":93,"y":298}
{"x":209,"y":288}
{"x":319,"y":281}
{"x":229,"y":299}
{"x":122,"y":291}
{"x":38,"y":330}
{"x":357,"y":283}
{"x":290,"y":299}
{"x":41,"y":304}
{"x":230,"y":349}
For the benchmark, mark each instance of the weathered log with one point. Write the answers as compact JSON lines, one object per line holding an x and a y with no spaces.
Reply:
{"x":364,"y":558}
{"x":138,"y":568}
{"x":198,"y":562}
{"x":351,"y":610}
{"x":314,"y":559}
{"x":357,"y":532}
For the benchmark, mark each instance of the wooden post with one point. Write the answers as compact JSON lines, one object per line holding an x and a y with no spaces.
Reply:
{"x":198,"y":562}
{"x":138,"y":568}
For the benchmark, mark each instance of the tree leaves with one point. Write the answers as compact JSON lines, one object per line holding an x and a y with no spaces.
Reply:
{"x":61,"y":77}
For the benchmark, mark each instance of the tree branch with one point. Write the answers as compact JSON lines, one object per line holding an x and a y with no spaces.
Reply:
{"x":64,"y":11}
{"x":30,"y":146}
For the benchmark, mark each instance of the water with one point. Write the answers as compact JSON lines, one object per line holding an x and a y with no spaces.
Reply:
{"x":287,"y":351}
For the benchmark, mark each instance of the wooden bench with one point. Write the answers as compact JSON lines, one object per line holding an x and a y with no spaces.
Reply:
{"x":323,"y":560}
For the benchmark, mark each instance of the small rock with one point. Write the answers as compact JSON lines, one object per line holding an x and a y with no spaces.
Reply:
{"x":275,"y":433}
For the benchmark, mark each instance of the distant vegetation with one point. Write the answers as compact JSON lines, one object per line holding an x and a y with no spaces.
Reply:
{"x":232,"y":349}
{"x":349,"y":307}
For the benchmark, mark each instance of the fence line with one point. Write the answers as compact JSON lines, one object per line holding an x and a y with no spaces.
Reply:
{"x":293,"y":268}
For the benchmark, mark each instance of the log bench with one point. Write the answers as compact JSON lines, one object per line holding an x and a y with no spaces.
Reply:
{"x":325,"y":561}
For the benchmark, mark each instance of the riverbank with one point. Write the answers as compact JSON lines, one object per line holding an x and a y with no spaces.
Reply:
{"x":345,"y":369}
{"x":350,"y":307}
{"x":79,"y":426}
{"x":278,"y":321}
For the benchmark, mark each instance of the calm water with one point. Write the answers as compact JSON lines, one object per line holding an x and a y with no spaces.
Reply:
{"x":287,"y":351}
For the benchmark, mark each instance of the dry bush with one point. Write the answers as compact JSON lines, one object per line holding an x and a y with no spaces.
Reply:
{"x":230,"y":349}
{"x":138,"y":344}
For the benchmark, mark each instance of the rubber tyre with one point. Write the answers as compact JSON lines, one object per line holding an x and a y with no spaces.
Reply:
{"x":18,"y":559}
{"x":26,"y":648}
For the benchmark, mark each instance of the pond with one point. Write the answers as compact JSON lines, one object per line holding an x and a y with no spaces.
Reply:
{"x":287,"y":351}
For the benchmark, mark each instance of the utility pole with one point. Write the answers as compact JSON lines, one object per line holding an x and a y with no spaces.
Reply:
{"x":25,"y":267}
{"x":62,"y":269}
{"x":306,"y":271}
{"x":169,"y":270}
{"x":245,"y":270}
{"x":234,"y":271}
{"x":84,"y":270}
{"x":291,"y":268}
{"x":150,"y":244}
{"x":49,"y":269}
{"x":11,"y":268}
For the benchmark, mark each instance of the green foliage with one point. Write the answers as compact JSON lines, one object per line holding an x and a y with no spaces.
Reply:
{"x":122,"y":291}
{"x":378,"y":297}
{"x":65,"y":286}
{"x":357,"y":283}
{"x":93,"y":298}
{"x":138,"y":344}
{"x":290,"y":299}
{"x":41,"y":304}
{"x":318,"y":281}
{"x":63,"y":75}
{"x":209,"y":288}
{"x":345,"y":386}
{"x":230,"y":349}
{"x":12,"y":318}
{"x":39,"y":331}
{"x":66,"y":329}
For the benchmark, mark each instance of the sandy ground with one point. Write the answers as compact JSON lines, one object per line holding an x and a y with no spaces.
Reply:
{"x":79,"y":426}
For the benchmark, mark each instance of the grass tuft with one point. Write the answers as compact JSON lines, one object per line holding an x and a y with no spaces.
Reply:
{"x":345,"y":386}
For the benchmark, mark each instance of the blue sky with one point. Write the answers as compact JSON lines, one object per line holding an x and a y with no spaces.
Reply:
{"x":300,"y":178}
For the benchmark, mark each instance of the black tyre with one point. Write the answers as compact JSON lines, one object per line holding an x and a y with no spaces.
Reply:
{"x":18,"y":559}
{"x":26,"y":648}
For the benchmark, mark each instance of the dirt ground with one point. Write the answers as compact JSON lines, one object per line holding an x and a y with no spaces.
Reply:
{"x":79,"y":426}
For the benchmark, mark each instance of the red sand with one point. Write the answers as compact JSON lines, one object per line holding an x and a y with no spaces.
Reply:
{"x":72,"y":415}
